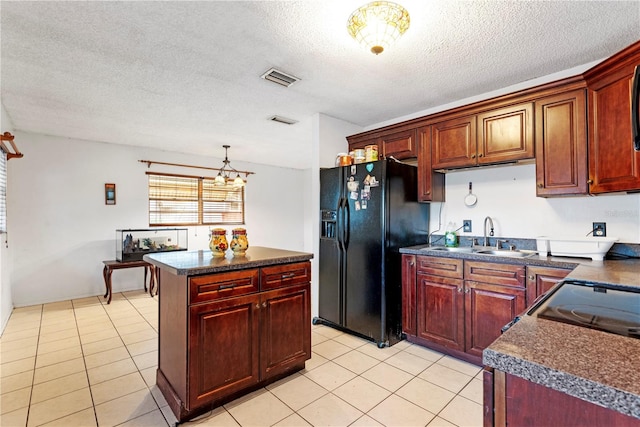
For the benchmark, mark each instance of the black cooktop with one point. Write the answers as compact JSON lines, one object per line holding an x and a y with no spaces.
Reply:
{"x":607,"y":308}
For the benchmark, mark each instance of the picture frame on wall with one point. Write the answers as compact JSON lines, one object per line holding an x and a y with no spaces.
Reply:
{"x":109,"y":194}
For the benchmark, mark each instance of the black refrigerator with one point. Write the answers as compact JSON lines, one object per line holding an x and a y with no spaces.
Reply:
{"x":367,"y":212}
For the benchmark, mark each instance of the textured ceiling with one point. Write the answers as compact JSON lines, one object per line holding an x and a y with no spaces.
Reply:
{"x":185,"y":76}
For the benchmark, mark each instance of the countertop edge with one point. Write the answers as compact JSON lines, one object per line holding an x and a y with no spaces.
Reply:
{"x":199,"y":262}
{"x":591,"y":391}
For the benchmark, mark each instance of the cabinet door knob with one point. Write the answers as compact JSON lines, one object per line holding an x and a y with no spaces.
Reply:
{"x":590,"y":181}
{"x":466,"y":291}
{"x":531,"y":277}
{"x":258,"y":306}
{"x":473,"y":156}
{"x":540,"y":185}
{"x":264,"y":304}
{"x":459,"y":290}
{"x":480,"y":155}
{"x":412,"y":263}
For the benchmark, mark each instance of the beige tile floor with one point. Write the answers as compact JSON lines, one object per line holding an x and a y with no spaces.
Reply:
{"x":85,"y":363}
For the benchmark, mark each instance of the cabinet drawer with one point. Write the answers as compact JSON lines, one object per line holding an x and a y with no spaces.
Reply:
{"x":285,"y":275}
{"x":443,"y":267}
{"x":490,"y":272}
{"x":223,"y":285}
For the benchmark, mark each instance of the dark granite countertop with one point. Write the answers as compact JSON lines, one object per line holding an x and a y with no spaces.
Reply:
{"x":595,"y":366}
{"x":201,"y":262}
{"x":532,"y":259}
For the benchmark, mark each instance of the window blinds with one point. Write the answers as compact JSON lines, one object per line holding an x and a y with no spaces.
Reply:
{"x":189,"y":200}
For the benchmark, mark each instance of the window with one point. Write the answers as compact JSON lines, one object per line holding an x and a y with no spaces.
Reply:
{"x":191,"y":200}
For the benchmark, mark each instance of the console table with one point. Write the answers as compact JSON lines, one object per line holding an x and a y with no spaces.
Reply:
{"x":110,"y":265}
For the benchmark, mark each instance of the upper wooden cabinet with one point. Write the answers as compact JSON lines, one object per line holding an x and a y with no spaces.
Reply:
{"x":561,"y":144}
{"x":453,"y":143}
{"x":494,"y":136}
{"x":400,"y":144}
{"x":613,"y":163}
{"x":430,"y":183}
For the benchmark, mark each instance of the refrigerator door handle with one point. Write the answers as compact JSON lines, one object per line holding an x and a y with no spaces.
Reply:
{"x":339,"y":224}
{"x":345,"y":225}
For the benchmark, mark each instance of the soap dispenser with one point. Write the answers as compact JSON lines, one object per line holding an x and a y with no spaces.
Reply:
{"x":450,"y":236}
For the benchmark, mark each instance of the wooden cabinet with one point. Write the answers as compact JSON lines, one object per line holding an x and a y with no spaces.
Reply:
{"x":409,"y":291}
{"x":513,"y":401}
{"x":493,"y":136}
{"x":400,"y":144}
{"x":461,"y":306}
{"x":431,"y":184}
{"x":454,"y":143}
{"x":541,"y":279}
{"x":561,"y":144}
{"x":440,"y":301}
{"x":613,"y":163}
{"x":494,"y":295}
{"x":224,"y":333}
{"x":506,"y":134}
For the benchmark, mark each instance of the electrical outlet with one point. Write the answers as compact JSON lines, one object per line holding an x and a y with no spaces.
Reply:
{"x":600,"y":229}
{"x":466,"y":225}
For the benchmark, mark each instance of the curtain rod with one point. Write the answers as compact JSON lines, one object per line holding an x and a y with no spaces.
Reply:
{"x":8,"y":137}
{"x":153,"y":162}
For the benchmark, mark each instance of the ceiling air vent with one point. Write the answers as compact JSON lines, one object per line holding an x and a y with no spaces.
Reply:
{"x":279,"y":77}
{"x":281,"y":119}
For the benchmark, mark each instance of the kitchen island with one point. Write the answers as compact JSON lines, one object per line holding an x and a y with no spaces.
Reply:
{"x":545,"y":372}
{"x":229,"y":325}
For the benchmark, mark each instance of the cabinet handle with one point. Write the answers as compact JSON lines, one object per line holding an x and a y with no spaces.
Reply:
{"x":480,"y":155}
{"x":459,"y":290}
{"x":466,"y":291}
{"x":231,"y":286}
{"x":540,"y":185}
{"x":590,"y":181}
{"x":288,"y":276}
{"x":427,"y":192}
{"x":258,"y":306}
{"x":411,"y":264}
{"x":531,"y":277}
{"x":473,"y":156}
{"x":264,"y":304}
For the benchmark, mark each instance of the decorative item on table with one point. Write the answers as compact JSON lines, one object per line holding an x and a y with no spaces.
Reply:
{"x":239,"y":243}
{"x":218,"y":243}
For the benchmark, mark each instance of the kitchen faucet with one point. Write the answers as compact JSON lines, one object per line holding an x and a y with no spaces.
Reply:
{"x":490,"y":221}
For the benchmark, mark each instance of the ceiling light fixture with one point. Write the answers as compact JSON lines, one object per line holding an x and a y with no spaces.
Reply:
{"x":377,"y":25}
{"x":224,"y":173}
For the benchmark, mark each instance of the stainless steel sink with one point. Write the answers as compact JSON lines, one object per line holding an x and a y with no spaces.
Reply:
{"x":507,"y":253}
{"x":448,"y":249}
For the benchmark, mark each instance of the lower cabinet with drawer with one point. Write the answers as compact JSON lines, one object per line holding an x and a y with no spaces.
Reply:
{"x":231,"y":333}
{"x":460,"y":306}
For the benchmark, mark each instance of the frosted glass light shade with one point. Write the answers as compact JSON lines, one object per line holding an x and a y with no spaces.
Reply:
{"x":377,"y":25}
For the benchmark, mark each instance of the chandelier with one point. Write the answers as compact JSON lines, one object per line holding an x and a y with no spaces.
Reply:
{"x":377,"y":25}
{"x":224,"y":173}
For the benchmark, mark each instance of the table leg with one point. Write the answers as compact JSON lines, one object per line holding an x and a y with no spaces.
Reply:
{"x":109,"y":290}
{"x":145,"y":278}
{"x":153,"y":281}
{"x":104,"y":276}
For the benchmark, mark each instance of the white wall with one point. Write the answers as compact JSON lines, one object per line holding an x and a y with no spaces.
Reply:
{"x":508,"y":195}
{"x":61,"y":229}
{"x":6,"y":301}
